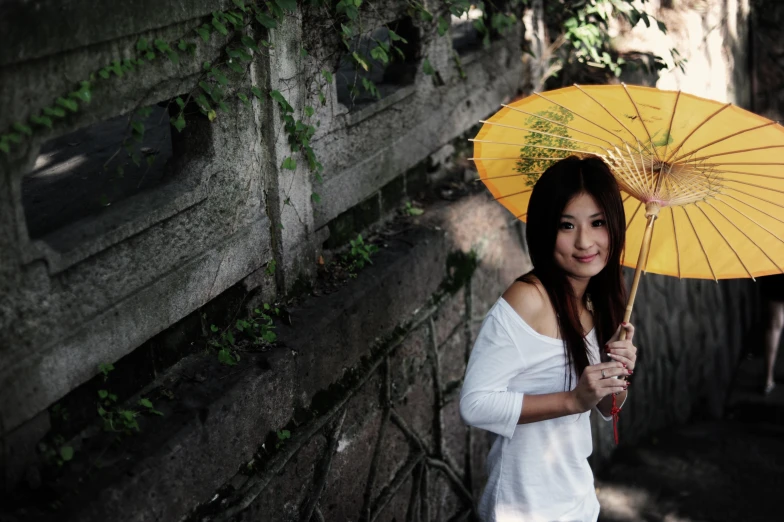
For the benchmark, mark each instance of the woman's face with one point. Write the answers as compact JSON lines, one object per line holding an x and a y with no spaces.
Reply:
{"x":583,"y":241}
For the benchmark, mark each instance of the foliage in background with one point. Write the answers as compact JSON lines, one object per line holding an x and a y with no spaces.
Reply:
{"x":581,"y":39}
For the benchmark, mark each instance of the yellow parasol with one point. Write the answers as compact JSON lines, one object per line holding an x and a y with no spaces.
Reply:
{"x":708,"y":175}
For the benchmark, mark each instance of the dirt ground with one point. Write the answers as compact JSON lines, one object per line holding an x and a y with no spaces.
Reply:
{"x":724,"y":470}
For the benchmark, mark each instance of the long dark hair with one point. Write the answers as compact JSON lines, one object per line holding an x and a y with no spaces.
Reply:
{"x":555,"y":188}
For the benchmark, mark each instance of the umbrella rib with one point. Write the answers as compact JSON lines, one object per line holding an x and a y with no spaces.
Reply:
{"x":747,"y":236}
{"x":766,"y":164}
{"x":640,"y":177}
{"x":753,"y":196}
{"x":749,"y":174}
{"x":680,"y":146}
{"x":506,"y":176}
{"x":561,"y":124}
{"x":725,"y":240}
{"x":675,"y":234}
{"x":752,"y":207}
{"x":600,"y":104}
{"x":702,"y":247}
{"x":669,"y":129}
{"x":644,"y":126}
{"x":514,"y":194}
{"x":754,"y":185}
{"x":714,"y":142}
{"x":632,"y":178}
{"x":542,"y":133}
{"x":623,"y":257}
{"x":535,"y":146}
{"x":701,"y":158}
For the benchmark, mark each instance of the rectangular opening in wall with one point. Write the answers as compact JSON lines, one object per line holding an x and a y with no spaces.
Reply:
{"x":86,"y":171}
{"x":379,"y":62}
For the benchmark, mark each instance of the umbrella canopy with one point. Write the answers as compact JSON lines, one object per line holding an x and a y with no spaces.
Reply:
{"x":710,"y":173}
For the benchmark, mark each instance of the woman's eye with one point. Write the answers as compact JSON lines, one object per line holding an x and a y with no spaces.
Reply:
{"x":566,"y":226}
{"x":599,"y":223}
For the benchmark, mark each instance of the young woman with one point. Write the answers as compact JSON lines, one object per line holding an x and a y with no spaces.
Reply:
{"x":536,"y":371}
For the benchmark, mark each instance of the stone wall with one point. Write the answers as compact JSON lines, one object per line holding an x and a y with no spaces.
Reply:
{"x":86,"y":279}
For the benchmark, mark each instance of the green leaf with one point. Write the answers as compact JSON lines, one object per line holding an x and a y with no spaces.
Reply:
{"x":225,"y":357}
{"x":427,"y":68}
{"x":443,"y":26}
{"x":104,"y":73}
{"x":287,"y":5}
{"x":309,"y":111}
{"x":57,"y":112}
{"x":161,"y":45}
{"x":257,"y":93}
{"x":289,"y":163}
{"x":241,"y":5}
{"x":16,"y":138}
{"x":248,"y":42}
{"x":236,"y":67}
{"x":24,"y":129}
{"x":103,"y":394}
{"x":180,"y":102}
{"x":315,"y":198}
{"x":150,"y":56}
{"x":141,"y":45}
{"x":360,"y":61}
{"x":68,"y":104}
{"x":219,"y":27}
{"x":83,"y":93}
{"x":138,"y":127}
{"x":178,"y":122}
{"x":278,"y":97}
{"x":396,"y":37}
{"x":214,"y":329}
{"x":244,"y":98}
{"x":66,"y":453}
{"x":322,"y":98}
{"x":378,"y":53}
{"x":204,"y":33}
{"x":4,"y":145}
{"x":266,"y":21}
{"x":215,"y":73}
{"x":327,"y":76}
{"x":173,"y":56}
{"x":145,"y":402}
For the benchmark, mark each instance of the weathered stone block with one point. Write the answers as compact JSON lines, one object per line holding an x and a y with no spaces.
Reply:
{"x":408,"y":361}
{"x":285,"y":495}
{"x":444,"y":501}
{"x":450,"y":314}
{"x":397,"y":508}
{"x":452,"y":359}
{"x":455,"y":435}
{"x":392,"y":194}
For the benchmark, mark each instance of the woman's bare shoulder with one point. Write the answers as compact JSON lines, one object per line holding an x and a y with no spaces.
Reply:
{"x":531,"y":302}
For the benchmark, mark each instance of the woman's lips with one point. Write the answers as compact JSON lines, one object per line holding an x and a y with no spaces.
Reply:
{"x":586,"y":259}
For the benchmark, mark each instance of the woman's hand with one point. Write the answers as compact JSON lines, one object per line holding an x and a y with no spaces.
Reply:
{"x":597,"y":382}
{"x":624,"y":351}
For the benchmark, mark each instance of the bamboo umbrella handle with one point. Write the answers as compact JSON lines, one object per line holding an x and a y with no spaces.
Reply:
{"x":651,"y":212}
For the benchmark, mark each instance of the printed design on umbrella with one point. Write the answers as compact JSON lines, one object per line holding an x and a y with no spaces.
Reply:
{"x":535,"y":158}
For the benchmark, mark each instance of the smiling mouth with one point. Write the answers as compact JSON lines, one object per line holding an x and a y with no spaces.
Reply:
{"x":586,"y":259}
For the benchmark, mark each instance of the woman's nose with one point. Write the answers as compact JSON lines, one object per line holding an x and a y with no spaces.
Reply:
{"x":583,"y":239}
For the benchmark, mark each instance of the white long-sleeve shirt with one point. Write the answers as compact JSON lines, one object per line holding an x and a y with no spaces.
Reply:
{"x":537,"y":472}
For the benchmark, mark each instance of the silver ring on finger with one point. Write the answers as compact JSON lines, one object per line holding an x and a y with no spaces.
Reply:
{"x":603,"y":375}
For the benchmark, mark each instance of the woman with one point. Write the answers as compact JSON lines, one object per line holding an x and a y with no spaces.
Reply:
{"x":535,"y":371}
